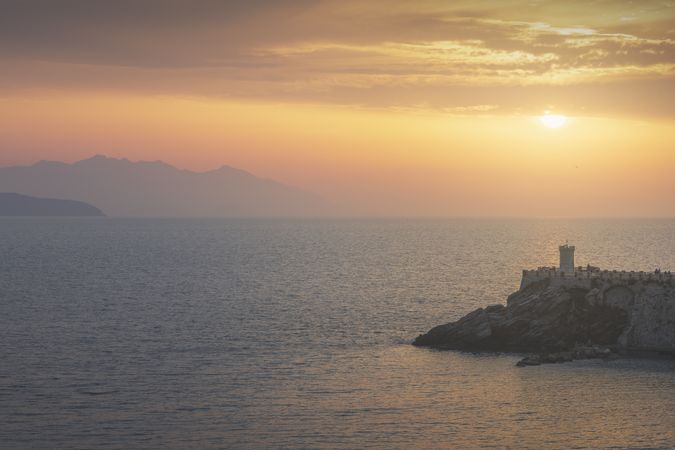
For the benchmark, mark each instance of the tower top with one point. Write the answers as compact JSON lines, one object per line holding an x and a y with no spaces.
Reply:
{"x":566,"y":258}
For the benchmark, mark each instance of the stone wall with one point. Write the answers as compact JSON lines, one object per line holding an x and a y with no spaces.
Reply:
{"x":647,"y":297}
{"x":651,"y":312}
{"x":582,"y":278}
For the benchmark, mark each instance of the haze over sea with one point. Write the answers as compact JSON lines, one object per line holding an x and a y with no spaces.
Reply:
{"x":128,"y":333}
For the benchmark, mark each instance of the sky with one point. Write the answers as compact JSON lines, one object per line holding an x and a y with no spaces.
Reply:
{"x":384,"y":108}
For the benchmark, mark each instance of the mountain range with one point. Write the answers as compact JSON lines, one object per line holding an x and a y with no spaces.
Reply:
{"x":155,"y":189}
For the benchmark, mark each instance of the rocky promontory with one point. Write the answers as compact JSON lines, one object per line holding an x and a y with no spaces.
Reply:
{"x":563,"y":319}
{"x":13,"y":204}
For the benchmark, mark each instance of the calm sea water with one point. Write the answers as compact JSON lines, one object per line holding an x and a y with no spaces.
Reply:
{"x":256,"y":334}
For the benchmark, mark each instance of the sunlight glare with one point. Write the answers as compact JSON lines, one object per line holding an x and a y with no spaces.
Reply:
{"x":553,"y":120}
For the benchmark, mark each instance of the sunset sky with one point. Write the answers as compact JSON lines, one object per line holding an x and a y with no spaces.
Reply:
{"x":390,"y":107}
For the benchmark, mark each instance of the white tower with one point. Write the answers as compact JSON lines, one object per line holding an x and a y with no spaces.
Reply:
{"x":567,"y":258}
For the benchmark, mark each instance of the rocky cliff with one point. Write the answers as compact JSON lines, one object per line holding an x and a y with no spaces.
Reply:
{"x":555,"y":317}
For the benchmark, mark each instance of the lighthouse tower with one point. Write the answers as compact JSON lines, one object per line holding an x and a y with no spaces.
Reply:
{"x":567,"y":258}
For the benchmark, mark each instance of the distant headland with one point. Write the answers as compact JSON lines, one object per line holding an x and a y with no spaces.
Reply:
{"x":125,"y":188}
{"x":12,"y":204}
{"x":567,"y":312}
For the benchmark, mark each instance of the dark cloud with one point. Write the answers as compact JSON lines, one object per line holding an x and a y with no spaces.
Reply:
{"x":138,"y":33}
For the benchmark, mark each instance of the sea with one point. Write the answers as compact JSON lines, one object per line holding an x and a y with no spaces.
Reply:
{"x":255,"y":334}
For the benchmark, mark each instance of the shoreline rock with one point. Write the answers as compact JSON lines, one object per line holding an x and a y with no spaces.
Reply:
{"x":582,"y":352}
{"x":558,"y":323}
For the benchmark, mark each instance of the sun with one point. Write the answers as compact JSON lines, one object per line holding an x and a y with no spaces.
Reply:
{"x":552,"y":120}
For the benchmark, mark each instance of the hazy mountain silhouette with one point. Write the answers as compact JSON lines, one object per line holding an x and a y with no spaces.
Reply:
{"x":12,"y":204}
{"x":124,"y":188}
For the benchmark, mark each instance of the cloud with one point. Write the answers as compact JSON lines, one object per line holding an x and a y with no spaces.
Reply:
{"x":377,"y":53}
{"x":139,"y":33}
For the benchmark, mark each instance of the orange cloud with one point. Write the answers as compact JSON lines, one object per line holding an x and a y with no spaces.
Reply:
{"x":379,"y":54}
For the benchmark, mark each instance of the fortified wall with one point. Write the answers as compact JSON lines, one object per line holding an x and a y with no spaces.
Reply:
{"x":588,"y":277}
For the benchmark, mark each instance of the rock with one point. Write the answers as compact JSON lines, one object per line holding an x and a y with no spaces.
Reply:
{"x":555,"y":316}
{"x":536,"y":319}
{"x":556,"y":357}
{"x":529,"y":361}
{"x":561,"y":357}
{"x":592,"y":352}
